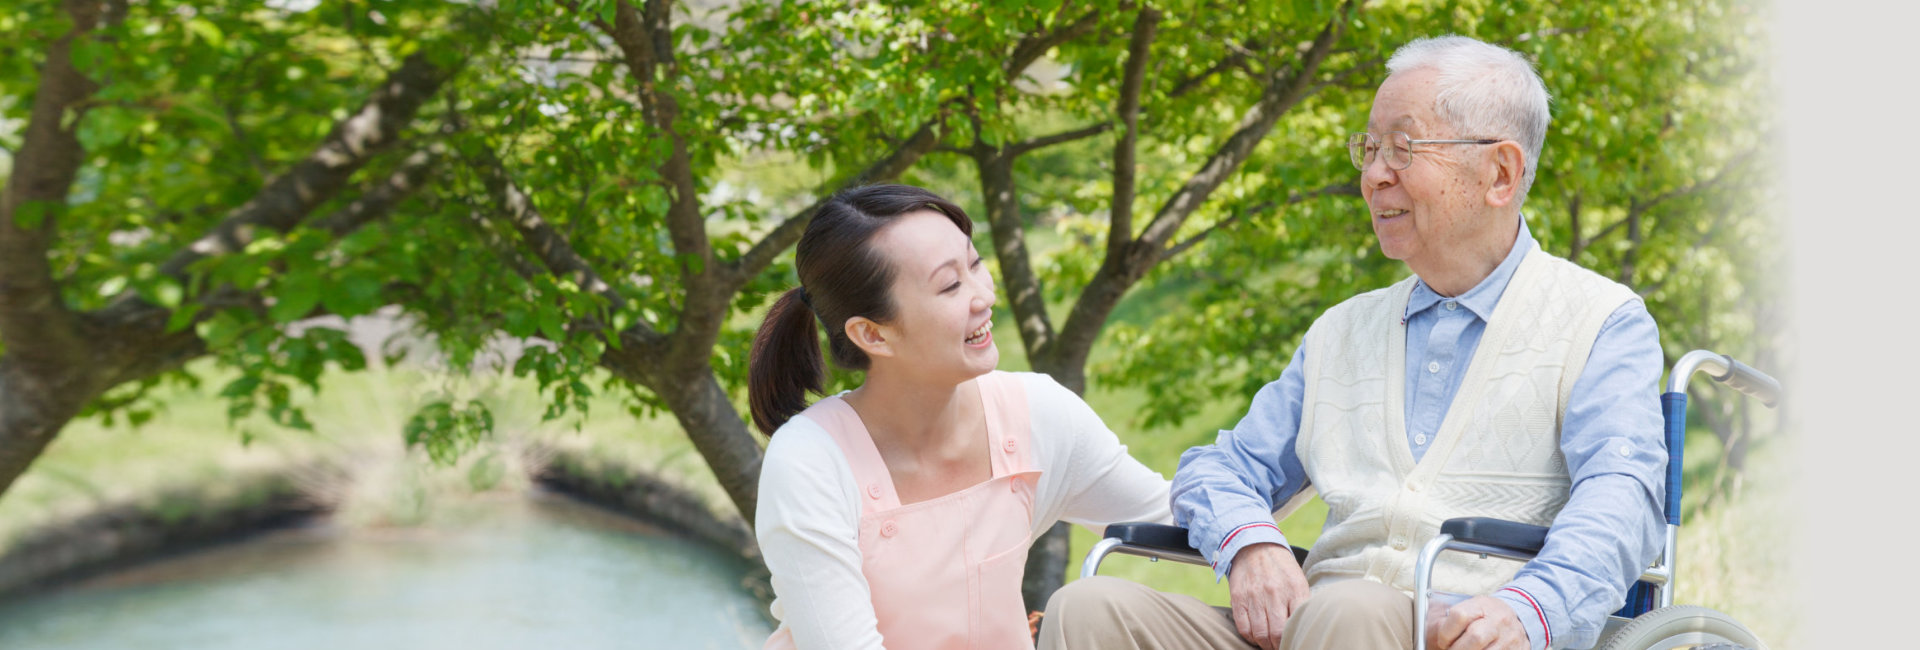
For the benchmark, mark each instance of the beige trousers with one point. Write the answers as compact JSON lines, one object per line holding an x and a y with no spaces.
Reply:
{"x":1107,"y":613}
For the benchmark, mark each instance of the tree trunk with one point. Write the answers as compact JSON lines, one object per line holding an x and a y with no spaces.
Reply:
{"x":33,"y":409}
{"x":708,"y":417}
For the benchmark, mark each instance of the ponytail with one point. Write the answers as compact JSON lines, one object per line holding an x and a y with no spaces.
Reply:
{"x":785,"y":363}
{"x":850,"y":278}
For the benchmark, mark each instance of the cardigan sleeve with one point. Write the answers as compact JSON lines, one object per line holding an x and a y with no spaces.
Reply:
{"x":1087,"y":476}
{"x":808,"y":525}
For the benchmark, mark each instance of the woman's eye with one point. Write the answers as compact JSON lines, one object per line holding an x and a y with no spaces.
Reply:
{"x":951,"y":288}
{"x":977,"y":261}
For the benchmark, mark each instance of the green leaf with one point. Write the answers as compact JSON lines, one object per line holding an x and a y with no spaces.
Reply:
{"x":551,"y":326}
{"x":183,"y":317}
{"x":295,"y":296}
{"x":353,"y":295}
{"x":207,"y":31}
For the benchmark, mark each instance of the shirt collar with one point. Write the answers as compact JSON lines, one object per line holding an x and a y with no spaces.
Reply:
{"x":1482,"y":297}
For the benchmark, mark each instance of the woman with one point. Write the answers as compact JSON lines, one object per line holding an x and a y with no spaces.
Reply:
{"x":899,"y":514}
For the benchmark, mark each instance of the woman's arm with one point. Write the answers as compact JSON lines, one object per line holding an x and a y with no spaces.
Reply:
{"x":808,"y":524}
{"x":1088,"y":478}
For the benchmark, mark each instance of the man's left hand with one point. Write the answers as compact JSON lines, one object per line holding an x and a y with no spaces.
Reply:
{"x":1479,"y":623}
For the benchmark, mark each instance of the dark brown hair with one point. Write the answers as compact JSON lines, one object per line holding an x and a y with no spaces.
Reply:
{"x":841,"y":276}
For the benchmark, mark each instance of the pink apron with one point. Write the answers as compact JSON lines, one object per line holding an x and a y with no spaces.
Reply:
{"x":945,"y":573}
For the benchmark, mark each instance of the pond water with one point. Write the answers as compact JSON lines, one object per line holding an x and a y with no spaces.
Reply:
{"x":528,"y":573}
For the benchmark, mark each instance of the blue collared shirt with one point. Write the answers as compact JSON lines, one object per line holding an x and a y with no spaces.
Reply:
{"x":1611,"y":527}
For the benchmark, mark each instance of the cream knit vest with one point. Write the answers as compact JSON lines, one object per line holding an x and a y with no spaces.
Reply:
{"x":1497,"y":452}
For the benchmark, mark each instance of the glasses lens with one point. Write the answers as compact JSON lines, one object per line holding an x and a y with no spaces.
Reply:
{"x":1357,"y":150}
{"x":1399,"y":150}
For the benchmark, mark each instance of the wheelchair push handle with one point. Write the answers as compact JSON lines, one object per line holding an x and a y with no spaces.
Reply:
{"x":1726,"y":370}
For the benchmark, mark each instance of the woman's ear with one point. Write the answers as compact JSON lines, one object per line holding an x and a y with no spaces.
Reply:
{"x":869,"y":336}
{"x":1509,"y":170}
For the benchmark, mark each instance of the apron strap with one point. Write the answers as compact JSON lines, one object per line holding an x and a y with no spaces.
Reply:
{"x":1009,"y":422}
{"x":869,"y":471}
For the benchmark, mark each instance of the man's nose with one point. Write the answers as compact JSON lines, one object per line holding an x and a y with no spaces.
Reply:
{"x":1377,"y":173}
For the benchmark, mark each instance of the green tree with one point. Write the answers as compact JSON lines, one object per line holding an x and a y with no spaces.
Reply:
{"x":1221,"y":184}
{"x":200,"y":180}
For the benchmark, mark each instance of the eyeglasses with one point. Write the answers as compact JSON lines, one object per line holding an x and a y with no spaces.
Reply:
{"x":1361,"y":148}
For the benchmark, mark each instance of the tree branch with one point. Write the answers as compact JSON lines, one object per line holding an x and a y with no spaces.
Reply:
{"x":132,"y":318}
{"x":1282,"y":93}
{"x":1008,"y":229}
{"x":1133,"y":78}
{"x":1637,"y":209}
{"x":1018,"y":149}
{"x":1119,"y":272}
{"x":36,"y":327}
{"x":515,"y":209}
{"x":377,"y":200}
{"x":1344,"y":189}
{"x":1340,"y":78}
{"x":289,"y":198}
{"x":1034,"y":46}
{"x":646,"y":42}
{"x":1236,"y":58}
{"x":761,"y":255}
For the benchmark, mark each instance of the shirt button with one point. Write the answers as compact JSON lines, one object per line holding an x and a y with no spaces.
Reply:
{"x":873,"y":490}
{"x":1420,"y":439}
{"x":1399,"y":544}
{"x":1011,"y":445}
{"x":888,"y":529}
{"x":1433,"y":366}
{"x":1625,"y":452}
{"x":1451,"y":305}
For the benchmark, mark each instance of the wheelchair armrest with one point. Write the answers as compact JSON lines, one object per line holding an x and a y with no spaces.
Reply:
{"x":1172,"y":539}
{"x":1159,"y":537}
{"x":1524,"y":538}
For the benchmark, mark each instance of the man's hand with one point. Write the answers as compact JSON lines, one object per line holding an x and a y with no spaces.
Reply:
{"x":1266,"y":588}
{"x":1479,"y":623}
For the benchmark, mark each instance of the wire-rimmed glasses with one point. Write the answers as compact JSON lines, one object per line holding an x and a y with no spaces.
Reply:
{"x":1399,"y":147}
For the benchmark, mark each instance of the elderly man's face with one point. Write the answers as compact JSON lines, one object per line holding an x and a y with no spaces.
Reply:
{"x":1430,"y":210}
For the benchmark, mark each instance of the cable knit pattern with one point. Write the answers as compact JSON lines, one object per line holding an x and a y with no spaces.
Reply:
{"x":1497,"y":452}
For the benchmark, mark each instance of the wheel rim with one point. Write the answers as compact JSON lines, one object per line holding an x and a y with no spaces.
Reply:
{"x":1696,"y":641}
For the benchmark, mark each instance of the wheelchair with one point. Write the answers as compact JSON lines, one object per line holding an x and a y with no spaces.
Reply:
{"x":1649,"y":620}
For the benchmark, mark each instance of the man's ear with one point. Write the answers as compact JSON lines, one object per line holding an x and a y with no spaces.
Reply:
{"x":869,"y":336}
{"x":1509,"y":168}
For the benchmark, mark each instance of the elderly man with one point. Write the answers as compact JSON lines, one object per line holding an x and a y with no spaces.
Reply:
{"x":1498,"y":381}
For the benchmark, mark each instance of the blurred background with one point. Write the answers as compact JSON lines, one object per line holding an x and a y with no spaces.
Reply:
{"x":423,"y":323}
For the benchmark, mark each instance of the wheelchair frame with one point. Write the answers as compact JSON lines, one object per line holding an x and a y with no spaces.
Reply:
{"x":1485,"y":536}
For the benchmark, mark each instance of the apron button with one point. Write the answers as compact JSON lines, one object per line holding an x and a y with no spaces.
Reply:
{"x":1011,"y":445}
{"x":888,"y":529}
{"x":873,"y":490}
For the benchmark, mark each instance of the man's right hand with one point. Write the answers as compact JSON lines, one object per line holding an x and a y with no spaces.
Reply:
{"x":1266,"y":588}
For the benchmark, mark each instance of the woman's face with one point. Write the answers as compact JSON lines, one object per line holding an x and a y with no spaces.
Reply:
{"x":943,"y":300}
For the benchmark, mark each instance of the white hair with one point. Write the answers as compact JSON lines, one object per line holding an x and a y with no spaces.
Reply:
{"x":1483,"y":91}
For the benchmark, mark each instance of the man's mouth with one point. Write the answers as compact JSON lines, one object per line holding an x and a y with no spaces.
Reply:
{"x":980,"y":334}
{"x":1389,"y":214}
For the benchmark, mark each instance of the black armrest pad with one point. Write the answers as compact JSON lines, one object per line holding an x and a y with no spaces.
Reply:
{"x":1156,"y":536}
{"x":1168,"y":538}
{"x":1497,"y":532}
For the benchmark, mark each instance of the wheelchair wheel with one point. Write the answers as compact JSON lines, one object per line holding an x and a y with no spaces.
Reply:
{"x":1684,"y":626}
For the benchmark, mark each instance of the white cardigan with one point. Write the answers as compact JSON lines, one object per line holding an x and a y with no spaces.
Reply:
{"x":1497,"y":452}
{"x":808,"y":518}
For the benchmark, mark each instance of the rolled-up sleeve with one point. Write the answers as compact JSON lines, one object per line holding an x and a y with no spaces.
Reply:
{"x":1611,"y":527}
{"x":1225,"y":493}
